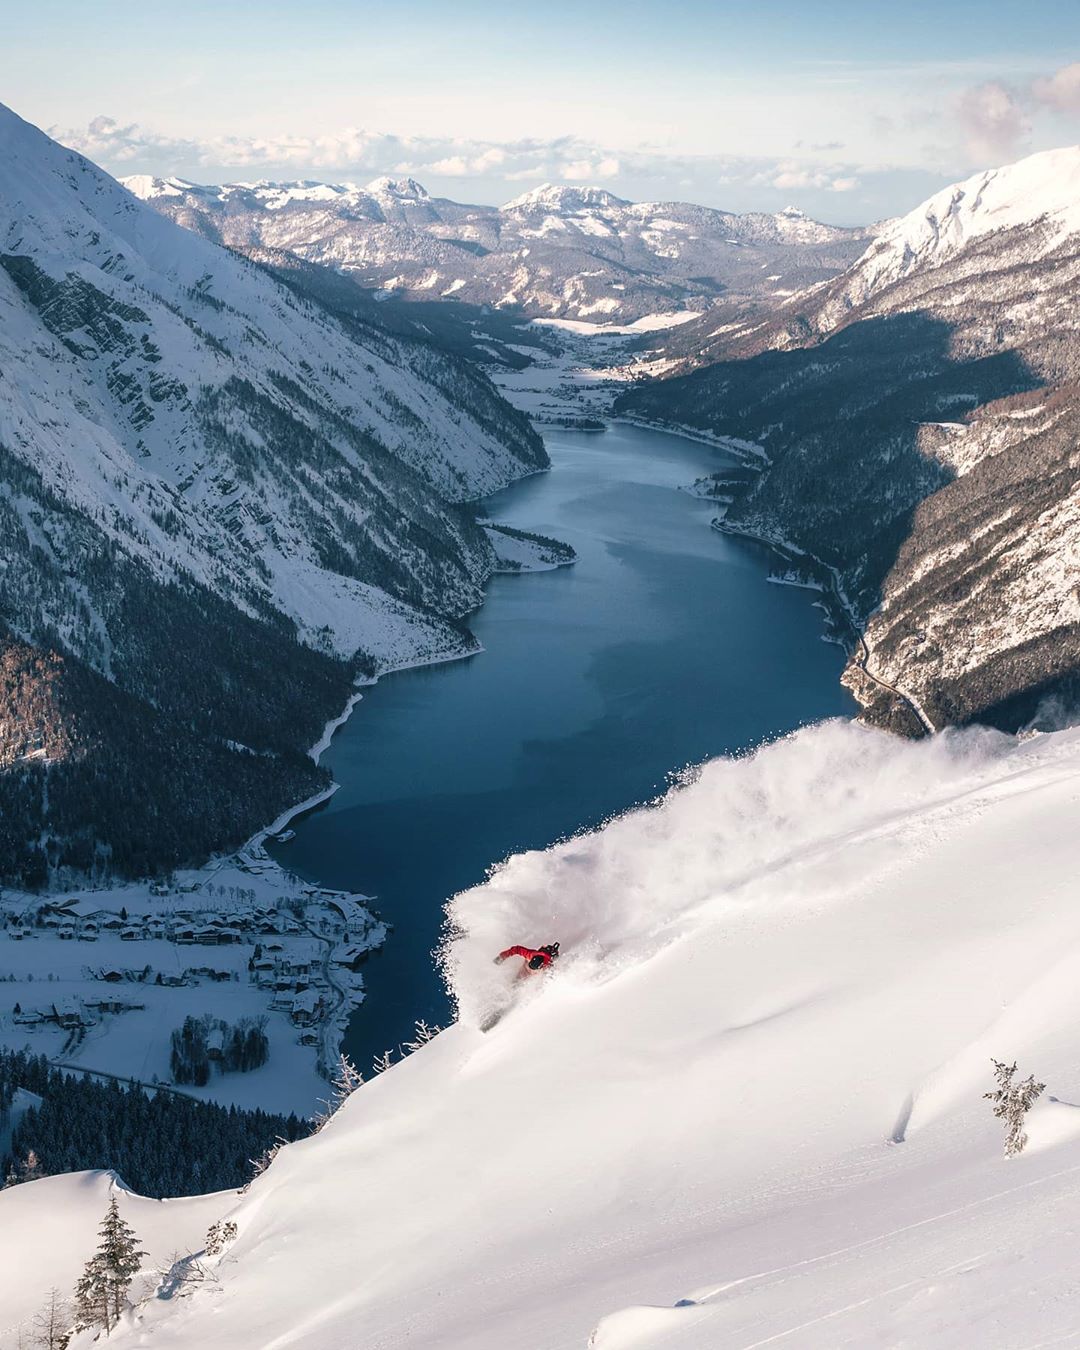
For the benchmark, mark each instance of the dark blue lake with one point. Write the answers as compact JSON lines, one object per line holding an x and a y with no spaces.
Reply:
{"x":664,"y":645}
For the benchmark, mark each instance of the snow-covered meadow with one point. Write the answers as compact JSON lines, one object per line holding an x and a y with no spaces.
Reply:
{"x":747,"y":1109}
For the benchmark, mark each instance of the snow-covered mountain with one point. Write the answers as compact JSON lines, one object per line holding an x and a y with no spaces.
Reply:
{"x":217,"y":500}
{"x":555,"y":251}
{"x":922,"y":418}
{"x":745,"y":1110}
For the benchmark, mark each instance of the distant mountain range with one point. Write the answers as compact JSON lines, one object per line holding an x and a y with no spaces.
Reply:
{"x":220,"y":501}
{"x":557,"y":252}
{"x":922,"y":416}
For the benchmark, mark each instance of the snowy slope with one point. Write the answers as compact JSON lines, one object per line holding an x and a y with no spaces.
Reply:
{"x":1042,"y":190}
{"x":219,"y":428}
{"x":792,"y":961}
{"x":28,"y":1218}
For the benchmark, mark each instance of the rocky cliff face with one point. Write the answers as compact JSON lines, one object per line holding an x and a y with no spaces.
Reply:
{"x":218,"y":503}
{"x":561,"y":252}
{"x":921,"y":419}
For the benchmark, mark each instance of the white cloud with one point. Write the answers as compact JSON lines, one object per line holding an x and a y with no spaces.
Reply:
{"x":357,"y":154}
{"x":992,"y":120}
{"x":789,"y":176}
{"x":1060,"y":91}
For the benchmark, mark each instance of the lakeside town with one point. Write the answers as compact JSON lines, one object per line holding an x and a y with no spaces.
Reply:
{"x":101,"y":981}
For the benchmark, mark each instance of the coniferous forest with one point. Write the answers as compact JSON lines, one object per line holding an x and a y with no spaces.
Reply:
{"x":164,"y":1144}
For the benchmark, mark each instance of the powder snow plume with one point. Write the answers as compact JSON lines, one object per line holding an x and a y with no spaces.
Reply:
{"x":616,"y":896}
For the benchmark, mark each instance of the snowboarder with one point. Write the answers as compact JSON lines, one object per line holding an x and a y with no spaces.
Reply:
{"x":535,"y":958}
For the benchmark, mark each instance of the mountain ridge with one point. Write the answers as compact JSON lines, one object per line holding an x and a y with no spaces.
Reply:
{"x":279,"y":486}
{"x":567,"y":251}
{"x":921,"y":412}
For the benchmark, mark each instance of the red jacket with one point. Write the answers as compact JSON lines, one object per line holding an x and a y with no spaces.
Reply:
{"x":534,"y":959}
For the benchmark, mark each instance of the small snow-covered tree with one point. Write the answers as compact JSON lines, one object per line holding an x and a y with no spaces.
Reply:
{"x":424,"y":1033}
{"x":263,"y":1161}
{"x":347,"y":1078}
{"x":382,"y":1062}
{"x":52,"y":1323}
{"x":219,"y":1236}
{"x":102,"y":1289}
{"x":1012,"y":1101}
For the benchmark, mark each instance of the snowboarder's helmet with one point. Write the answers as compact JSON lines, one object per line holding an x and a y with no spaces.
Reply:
{"x":552,"y":949}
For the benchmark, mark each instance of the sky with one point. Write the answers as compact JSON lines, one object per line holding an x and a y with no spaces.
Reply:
{"x":851,"y":111}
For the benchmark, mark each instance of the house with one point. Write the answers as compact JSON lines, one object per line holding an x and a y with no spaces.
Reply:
{"x":30,"y":1018}
{"x":184,"y":935}
{"x":112,"y":1003}
{"x":88,"y":932}
{"x":111,"y":923}
{"x":309,"y":1037}
{"x":348,"y":954}
{"x":305,"y":1008}
{"x":215,"y":1044}
{"x":66,"y":1013}
{"x":155,"y":928}
{"x":132,"y":933}
{"x":16,"y":934}
{"x":66,"y":930}
{"x":110,"y":975}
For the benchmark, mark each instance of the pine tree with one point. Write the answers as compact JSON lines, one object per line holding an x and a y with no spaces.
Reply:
{"x":1012,"y":1101}
{"x":102,"y":1289}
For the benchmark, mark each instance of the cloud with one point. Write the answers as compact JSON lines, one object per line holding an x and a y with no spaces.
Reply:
{"x":357,"y":154}
{"x":992,"y":120}
{"x":789,"y":176}
{"x":1060,"y":91}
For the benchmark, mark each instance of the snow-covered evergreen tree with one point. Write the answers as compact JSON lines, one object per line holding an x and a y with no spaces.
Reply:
{"x":101,"y":1292}
{"x":1012,"y":1101}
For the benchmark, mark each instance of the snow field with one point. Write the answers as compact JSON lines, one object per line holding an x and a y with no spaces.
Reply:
{"x":793,"y":960}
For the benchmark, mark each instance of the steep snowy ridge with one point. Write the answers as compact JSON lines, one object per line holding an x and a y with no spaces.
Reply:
{"x":554,"y":251}
{"x":1042,"y":190}
{"x":747,"y":1106}
{"x":183,"y":437}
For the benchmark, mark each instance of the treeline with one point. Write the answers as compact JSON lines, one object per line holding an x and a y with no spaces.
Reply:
{"x":202,"y":1041}
{"x":162,"y":1144}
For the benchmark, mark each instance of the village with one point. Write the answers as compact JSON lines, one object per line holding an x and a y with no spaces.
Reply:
{"x":99,"y":980}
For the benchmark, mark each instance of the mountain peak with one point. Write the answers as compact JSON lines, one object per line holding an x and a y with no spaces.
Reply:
{"x":555,"y":197}
{"x":146,"y":186}
{"x":405,"y":188}
{"x":1043,"y":187}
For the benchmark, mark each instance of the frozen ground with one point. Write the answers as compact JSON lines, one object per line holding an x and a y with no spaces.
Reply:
{"x":747,"y":1108}
{"x":39,"y":967}
{"x":592,"y":366}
